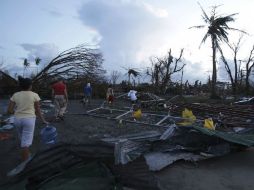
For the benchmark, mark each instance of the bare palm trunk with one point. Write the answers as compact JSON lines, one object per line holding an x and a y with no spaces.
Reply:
{"x":214,"y":76}
{"x":235,"y":85}
{"x":182,"y":83}
{"x":247,"y":83}
{"x":249,"y":66}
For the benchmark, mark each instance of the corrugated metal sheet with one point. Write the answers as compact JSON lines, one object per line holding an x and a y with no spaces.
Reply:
{"x":56,"y":160}
{"x":242,"y":139}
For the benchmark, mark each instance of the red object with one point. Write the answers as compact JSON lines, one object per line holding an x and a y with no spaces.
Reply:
{"x":110,"y":98}
{"x":5,"y":136}
{"x":59,"y":88}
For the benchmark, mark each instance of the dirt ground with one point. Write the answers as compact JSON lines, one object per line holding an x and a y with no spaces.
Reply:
{"x":234,"y":171}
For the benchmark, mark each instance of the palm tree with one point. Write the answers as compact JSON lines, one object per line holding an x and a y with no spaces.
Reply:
{"x":37,"y":61}
{"x":26,"y":64}
{"x":132,"y":72}
{"x":217,"y":30}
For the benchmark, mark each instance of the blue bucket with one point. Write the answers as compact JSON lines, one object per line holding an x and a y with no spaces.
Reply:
{"x":48,"y":135}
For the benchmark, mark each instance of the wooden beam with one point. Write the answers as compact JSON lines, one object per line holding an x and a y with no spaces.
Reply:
{"x":166,"y":117}
{"x":123,"y":114}
{"x":89,"y":111}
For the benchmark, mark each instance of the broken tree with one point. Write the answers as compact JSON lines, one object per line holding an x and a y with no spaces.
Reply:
{"x":163,"y":68}
{"x":78,"y":61}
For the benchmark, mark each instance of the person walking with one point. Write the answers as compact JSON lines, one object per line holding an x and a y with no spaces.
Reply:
{"x":60,"y":98}
{"x":87,"y":94}
{"x":110,"y":95}
{"x":132,"y":96}
{"x":25,"y":107}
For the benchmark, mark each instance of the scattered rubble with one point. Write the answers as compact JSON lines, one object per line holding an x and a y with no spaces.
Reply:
{"x":131,"y":159}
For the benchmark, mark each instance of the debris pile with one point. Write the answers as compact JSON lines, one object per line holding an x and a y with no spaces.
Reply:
{"x":84,"y":165}
{"x":176,"y":143}
{"x":225,"y":116}
{"x":6,"y":128}
{"x":46,"y":106}
{"x":148,"y":100}
{"x":191,"y":132}
{"x":130,"y":159}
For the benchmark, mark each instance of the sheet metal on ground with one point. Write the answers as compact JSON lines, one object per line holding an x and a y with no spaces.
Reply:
{"x":246,"y":139}
{"x":130,"y":157}
{"x":176,"y":143}
{"x":57,"y":160}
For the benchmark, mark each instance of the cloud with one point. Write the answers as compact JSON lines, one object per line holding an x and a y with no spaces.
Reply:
{"x":222,"y":74}
{"x":15,"y":69}
{"x":129,"y":31}
{"x":54,"y":13}
{"x":46,"y":52}
{"x":156,"y":11}
{"x":192,"y":72}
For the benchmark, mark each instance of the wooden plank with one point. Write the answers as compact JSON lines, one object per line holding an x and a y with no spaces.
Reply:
{"x":89,"y":111}
{"x":125,"y":94}
{"x":113,"y":109}
{"x":166,"y":117}
{"x":123,"y":114}
{"x":110,"y":118}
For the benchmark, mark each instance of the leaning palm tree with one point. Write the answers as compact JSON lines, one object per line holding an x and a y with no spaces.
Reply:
{"x":132,"y":72}
{"x":217,"y":30}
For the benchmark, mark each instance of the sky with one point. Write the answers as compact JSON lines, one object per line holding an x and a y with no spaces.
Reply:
{"x":128,"y":32}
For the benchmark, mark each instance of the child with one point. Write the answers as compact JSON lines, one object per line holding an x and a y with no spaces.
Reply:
{"x":27,"y":107}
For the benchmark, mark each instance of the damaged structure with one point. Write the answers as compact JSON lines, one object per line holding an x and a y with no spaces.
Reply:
{"x":125,"y":161}
{"x":8,"y":85}
{"x":132,"y":160}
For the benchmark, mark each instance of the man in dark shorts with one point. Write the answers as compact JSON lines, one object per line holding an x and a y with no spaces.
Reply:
{"x":60,"y":97}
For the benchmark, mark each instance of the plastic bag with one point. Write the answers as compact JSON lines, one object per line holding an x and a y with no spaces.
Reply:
{"x":209,"y":124}
{"x":188,"y":117}
{"x":137,"y":114}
